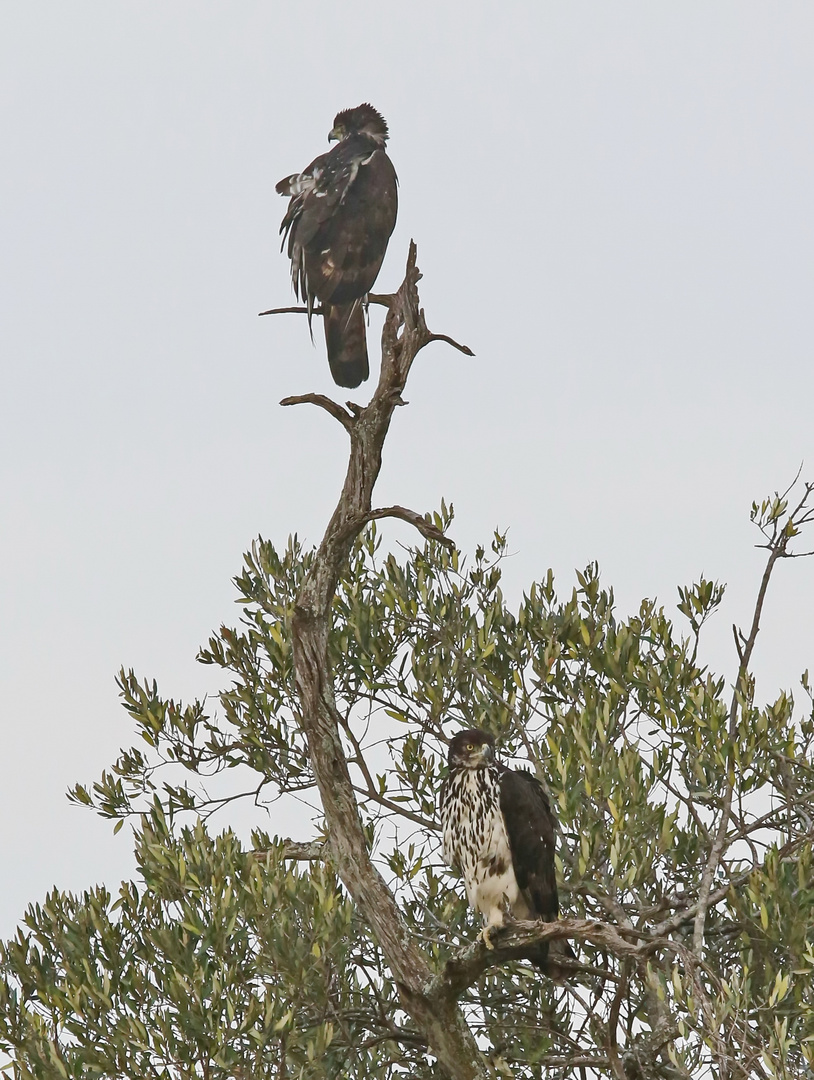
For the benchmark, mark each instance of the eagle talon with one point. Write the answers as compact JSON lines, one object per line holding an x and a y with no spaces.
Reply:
{"x":486,"y":939}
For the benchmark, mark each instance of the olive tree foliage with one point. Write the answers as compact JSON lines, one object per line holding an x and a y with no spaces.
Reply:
{"x":686,"y":810}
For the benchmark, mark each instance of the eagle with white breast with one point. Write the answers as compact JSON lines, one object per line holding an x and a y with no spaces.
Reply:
{"x":499,"y":831}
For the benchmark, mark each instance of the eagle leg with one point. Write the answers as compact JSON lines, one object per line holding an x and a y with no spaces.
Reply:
{"x":497,"y":918}
{"x":485,"y":938}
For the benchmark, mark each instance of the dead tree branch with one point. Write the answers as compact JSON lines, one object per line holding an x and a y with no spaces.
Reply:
{"x":295,"y":850}
{"x":337,"y":412}
{"x":422,"y":523}
{"x":451,"y":341}
{"x":404,"y":334}
{"x":304,"y":852}
{"x":381,"y":299}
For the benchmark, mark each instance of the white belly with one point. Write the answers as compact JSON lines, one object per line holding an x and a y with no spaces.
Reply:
{"x":475,"y":840}
{"x":493,"y":895}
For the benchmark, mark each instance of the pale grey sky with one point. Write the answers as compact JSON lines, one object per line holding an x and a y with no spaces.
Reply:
{"x":613,"y":207}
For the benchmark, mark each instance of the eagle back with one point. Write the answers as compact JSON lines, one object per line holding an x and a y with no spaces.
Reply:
{"x":342,"y":211}
{"x":319,"y":191}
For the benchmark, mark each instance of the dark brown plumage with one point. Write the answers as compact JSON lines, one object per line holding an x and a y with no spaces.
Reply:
{"x":530,"y":825}
{"x":499,"y":831}
{"x":341,"y":215}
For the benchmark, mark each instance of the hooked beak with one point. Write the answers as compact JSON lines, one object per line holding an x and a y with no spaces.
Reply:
{"x":334,"y":135}
{"x":487,"y":753}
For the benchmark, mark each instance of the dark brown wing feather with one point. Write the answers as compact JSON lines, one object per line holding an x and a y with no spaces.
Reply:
{"x":530,"y":828}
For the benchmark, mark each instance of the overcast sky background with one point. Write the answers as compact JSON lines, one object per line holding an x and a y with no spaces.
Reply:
{"x":613,"y":207}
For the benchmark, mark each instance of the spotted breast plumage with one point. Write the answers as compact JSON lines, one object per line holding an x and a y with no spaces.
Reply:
{"x":499,"y":832}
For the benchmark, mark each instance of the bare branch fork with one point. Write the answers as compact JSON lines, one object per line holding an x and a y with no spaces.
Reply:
{"x":404,"y":334}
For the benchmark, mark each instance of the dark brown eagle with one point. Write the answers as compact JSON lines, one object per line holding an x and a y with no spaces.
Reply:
{"x":342,"y":212}
{"x":499,"y":831}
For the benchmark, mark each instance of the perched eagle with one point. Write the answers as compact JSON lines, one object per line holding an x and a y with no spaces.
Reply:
{"x":342,"y":212}
{"x":498,"y":830}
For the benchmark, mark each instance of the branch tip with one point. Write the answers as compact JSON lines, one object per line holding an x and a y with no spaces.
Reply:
{"x":451,"y":341}
{"x":419,"y":521}
{"x":323,"y":402}
{"x":291,"y":311}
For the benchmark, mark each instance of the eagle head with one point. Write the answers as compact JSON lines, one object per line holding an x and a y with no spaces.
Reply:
{"x":363,"y":120}
{"x":471,"y":749}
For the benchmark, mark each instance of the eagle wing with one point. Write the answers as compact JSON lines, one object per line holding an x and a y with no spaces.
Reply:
{"x":530,"y":828}
{"x":342,"y":211}
{"x":315,"y":194}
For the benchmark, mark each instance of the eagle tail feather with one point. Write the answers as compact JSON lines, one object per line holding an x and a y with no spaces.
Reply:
{"x":346,"y":341}
{"x":540,"y":957}
{"x":549,"y":965}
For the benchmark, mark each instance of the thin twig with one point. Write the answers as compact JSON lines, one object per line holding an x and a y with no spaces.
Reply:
{"x":381,"y":299}
{"x":290,"y":311}
{"x":396,"y":808}
{"x":613,"y":1023}
{"x":738,"y":648}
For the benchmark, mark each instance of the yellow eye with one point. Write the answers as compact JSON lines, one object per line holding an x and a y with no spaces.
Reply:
{"x":470,"y":746}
